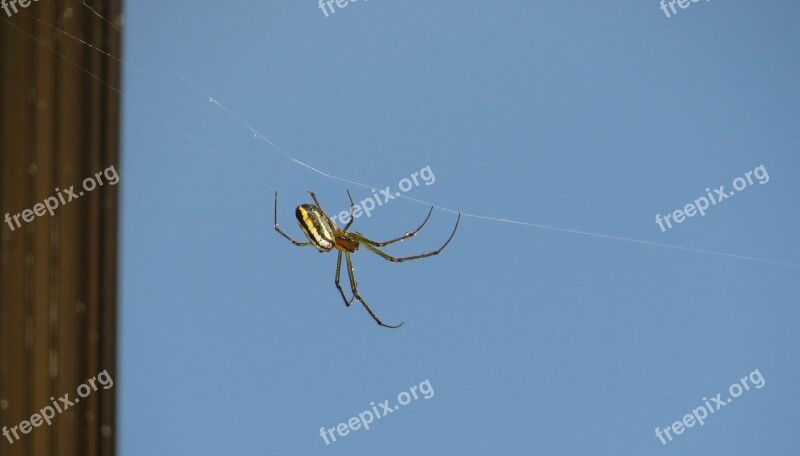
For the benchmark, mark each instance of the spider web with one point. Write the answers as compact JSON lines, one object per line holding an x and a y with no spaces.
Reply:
{"x":269,"y":144}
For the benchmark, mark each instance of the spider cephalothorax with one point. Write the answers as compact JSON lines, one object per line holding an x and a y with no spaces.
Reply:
{"x":325,"y":236}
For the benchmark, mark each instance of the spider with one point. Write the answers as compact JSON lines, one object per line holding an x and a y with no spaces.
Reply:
{"x":323,"y":234}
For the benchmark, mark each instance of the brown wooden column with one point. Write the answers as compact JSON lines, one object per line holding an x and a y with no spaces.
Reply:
{"x":58,"y":274}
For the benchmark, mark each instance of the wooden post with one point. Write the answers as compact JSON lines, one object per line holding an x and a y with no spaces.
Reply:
{"x":58,"y":274}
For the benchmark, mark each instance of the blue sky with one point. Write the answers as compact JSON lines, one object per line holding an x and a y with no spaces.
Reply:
{"x":587,"y":116}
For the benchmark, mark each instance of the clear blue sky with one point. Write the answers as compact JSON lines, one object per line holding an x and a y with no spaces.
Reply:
{"x":590,"y":116}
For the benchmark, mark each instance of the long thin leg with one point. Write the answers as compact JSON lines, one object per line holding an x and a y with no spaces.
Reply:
{"x":352,"y":208}
{"x":339,"y":274}
{"x":405,"y":236}
{"x":371,"y":246}
{"x":315,"y":199}
{"x":299,"y":244}
{"x":358,"y":296}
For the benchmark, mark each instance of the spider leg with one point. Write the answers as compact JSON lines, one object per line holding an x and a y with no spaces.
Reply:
{"x":405,"y":236}
{"x":358,"y":296}
{"x":339,"y":274}
{"x":371,"y":246}
{"x":297,"y":243}
{"x":315,"y":200}
{"x":352,"y":208}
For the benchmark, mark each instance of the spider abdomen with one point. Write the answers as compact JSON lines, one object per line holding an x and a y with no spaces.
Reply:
{"x":318,"y":228}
